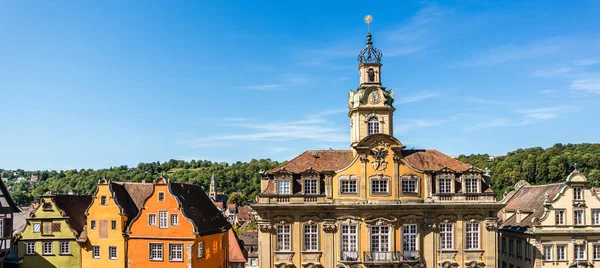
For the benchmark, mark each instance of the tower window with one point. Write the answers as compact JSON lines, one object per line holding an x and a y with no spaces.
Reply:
{"x":373,"y":125}
{"x":371,"y":75}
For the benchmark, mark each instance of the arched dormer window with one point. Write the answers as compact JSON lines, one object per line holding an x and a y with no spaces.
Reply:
{"x":373,"y":125}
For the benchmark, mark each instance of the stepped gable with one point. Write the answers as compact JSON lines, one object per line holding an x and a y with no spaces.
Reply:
{"x":74,"y":207}
{"x":321,"y":161}
{"x":199,"y":208}
{"x":530,"y":199}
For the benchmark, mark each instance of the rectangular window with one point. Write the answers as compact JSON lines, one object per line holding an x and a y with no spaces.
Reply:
{"x":348,"y":187}
{"x":379,"y":186}
{"x":504,"y":245}
{"x":527,"y":251}
{"x":519,"y":249}
{"x":1,"y":227}
{"x":409,"y":240}
{"x":283,"y":237}
{"x":310,"y":186}
{"x":156,"y":251}
{"x":596,"y":216}
{"x":176,"y":252}
{"x":409,"y":185}
{"x":65,"y":247}
{"x":561,"y":252}
{"x":46,"y":227}
{"x":380,"y":243}
{"x":47,"y":248}
{"x":93,"y":225}
{"x":472,"y":235}
{"x":511,"y":247}
{"x":579,"y":252}
{"x":162,"y":219}
{"x":596,"y":252}
{"x":311,"y":240}
{"x":560,"y":216}
{"x":471,"y":184}
{"x":113,"y":225}
{"x":578,"y":217}
{"x":548,"y":253}
{"x":161,"y":196}
{"x":445,"y":185}
{"x":577,"y":193}
{"x":29,"y":248}
{"x":200,"y":249}
{"x":446,"y":236}
{"x":152,"y":219}
{"x":103,"y":200}
{"x":174,"y":219}
{"x":283,"y":187}
{"x":96,"y":252}
{"x":112,"y":252}
{"x":349,"y":243}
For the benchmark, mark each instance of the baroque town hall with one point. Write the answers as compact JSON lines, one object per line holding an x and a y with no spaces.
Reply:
{"x":377,"y":204}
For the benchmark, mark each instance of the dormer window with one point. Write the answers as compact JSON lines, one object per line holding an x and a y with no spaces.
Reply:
{"x":283,"y":187}
{"x":373,"y":125}
{"x":310,"y":186}
{"x":471,"y":185}
{"x":409,"y":184}
{"x":577,"y":193}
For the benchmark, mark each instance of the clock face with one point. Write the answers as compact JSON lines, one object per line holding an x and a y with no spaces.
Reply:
{"x":374,"y":97}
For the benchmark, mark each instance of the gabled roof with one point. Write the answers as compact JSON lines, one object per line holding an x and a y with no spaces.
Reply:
{"x":237,"y":253}
{"x":432,"y":160}
{"x":250,"y":238}
{"x":8,"y":199}
{"x":199,"y":208}
{"x":20,"y":219}
{"x":130,"y":197}
{"x":530,"y":199}
{"x":138,"y":191}
{"x":74,"y":207}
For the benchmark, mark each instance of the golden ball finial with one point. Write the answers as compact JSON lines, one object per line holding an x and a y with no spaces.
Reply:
{"x":368,"y":19}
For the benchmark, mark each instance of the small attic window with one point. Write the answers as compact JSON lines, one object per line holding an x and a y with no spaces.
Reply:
{"x":47,"y":206}
{"x":161,"y":196}
{"x":103,"y":200}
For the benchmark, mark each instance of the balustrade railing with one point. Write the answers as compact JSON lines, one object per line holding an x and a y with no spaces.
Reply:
{"x":349,"y":256}
{"x":383,"y":256}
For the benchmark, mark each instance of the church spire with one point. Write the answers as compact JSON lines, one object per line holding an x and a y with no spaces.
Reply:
{"x":212,"y":192}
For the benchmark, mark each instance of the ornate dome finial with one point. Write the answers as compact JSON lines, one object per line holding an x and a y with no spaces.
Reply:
{"x":369,"y":54}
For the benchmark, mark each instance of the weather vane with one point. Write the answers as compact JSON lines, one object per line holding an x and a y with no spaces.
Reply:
{"x":368,"y":20}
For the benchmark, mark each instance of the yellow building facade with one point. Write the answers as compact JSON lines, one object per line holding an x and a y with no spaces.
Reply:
{"x":50,"y":236}
{"x":377,"y":204}
{"x":554,"y":225}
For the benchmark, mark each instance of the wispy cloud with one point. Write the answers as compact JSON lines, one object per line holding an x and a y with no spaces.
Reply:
{"x":511,"y":52}
{"x":479,"y":100}
{"x":418,"y":97}
{"x":524,"y":117}
{"x":591,"y":85}
{"x":414,"y":124}
{"x":285,"y":81}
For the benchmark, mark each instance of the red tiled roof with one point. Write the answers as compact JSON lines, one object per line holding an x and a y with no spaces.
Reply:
{"x":231,"y":207}
{"x":432,"y":160}
{"x":530,"y":199}
{"x":322,"y":160}
{"x":236,"y":251}
{"x":219,"y":205}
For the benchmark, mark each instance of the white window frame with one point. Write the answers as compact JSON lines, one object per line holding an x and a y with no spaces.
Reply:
{"x":176,"y":252}
{"x":156,"y":251}
{"x":596,"y":216}
{"x":311,"y":186}
{"x":578,"y":193}
{"x":578,"y":217}
{"x":472,"y":235}
{"x":349,"y":242}
{"x":446,"y":236}
{"x":311,"y":237}
{"x":596,"y":251}
{"x":579,"y":252}
{"x":380,"y":242}
{"x":559,"y":217}
{"x":409,"y":184}
{"x":96,"y":252}
{"x":348,"y":185}
{"x":284,"y":186}
{"x":161,"y":196}
{"x":472,"y":185}
{"x":373,"y":125}
{"x":378,"y":185}
{"x":561,"y":252}
{"x":174,"y":219}
{"x":547,"y":252}
{"x":163,"y":219}
{"x":152,"y":219}
{"x":112,"y":252}
{"x":200,"y":249}
{"x":445,"y":185}
{"x":410,"y":238}
{"x":284,"y":237}
{"x":45,"y":250}
{"x":29,"y":248}
{"x":65,"y":247}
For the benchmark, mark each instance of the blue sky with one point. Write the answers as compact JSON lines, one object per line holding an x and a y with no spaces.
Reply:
{"x":93,"y":84}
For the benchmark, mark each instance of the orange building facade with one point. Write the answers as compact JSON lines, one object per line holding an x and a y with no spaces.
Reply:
{"x":177,"y":226}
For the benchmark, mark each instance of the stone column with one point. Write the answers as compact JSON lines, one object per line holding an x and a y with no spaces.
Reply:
{"x":429,"y":247}
{"x":265,"y":247}
{"x":397,"y":183}
{"x":363,"y":186}
{"x":491,"y":243}
{"x":330,"y":252}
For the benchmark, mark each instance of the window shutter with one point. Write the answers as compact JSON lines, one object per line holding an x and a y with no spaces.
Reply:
{"x":56,"y":227}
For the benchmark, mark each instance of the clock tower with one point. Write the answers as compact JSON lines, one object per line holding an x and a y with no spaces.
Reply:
{"x":371,"y":109}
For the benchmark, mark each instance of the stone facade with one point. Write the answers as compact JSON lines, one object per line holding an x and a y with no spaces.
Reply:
{"x":554,"y":225}
{"x":377,"y":204}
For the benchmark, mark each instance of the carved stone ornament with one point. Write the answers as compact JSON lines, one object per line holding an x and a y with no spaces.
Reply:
{"x":329,"y":228}
{"x":364,"y":159}
{"x":379,"y":154}
{"x":396,"y":159}
{"x":491,"y":226}
{"x":265,"y":228}
{"x":430,"y":226}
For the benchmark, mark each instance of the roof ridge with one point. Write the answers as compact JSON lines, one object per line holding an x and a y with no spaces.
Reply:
{"x":542,"y":185}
